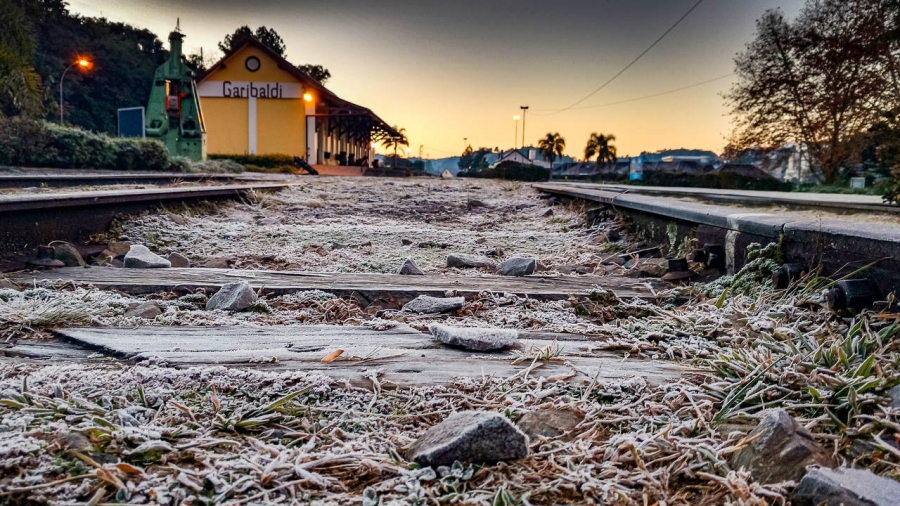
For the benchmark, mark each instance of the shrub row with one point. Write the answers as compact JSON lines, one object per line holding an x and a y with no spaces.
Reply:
{"x":29,"y":143}
{"x":716,"y":180}
{"x":510,"y":171}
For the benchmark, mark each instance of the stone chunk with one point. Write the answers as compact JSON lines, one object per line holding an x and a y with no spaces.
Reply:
{"x":469,"y":261}
{"x":67,"y":254}
{"x":148,"y":310}
{"x":178,"y":260}
{"x":517,"y":267}
{"x":423,"y":304}
{"x":232,"y":297}
{"x":846,"y":487}
{"x":469,"y":437}
{"x":140,"y":257}
{"x":216,"y":263}
{"x":409,"y":268}
{"x":549,"y":422}
{"x":780,"y":450}
{"x":476,"y":339}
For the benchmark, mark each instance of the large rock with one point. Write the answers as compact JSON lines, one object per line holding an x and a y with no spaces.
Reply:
{"x":550,"y":423}
{"x":140,"y":257}
{"x":423,"y":304}
{"x":780,"y":450}
{"x":178,"y":260}
{"x":67,"y":254}
{"x":474,"y":338}
{"x":409,"y":268}
{"x":469,"y":261}
{"x":845,"y":487}
{"x":469,"y":437}
{"x":517,"y":267}
{"x":232,"y":297}
{"x":148,"y":310}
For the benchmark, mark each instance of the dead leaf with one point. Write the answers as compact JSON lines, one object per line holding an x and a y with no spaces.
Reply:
{"x":331,"y":356}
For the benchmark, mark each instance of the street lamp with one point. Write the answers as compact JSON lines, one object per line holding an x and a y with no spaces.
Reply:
{"x":83,"y":64}
{"x":524,"y":111}
{"x":516,"y":136}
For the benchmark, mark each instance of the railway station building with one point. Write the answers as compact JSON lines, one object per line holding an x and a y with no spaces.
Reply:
{"x":255,"y":102}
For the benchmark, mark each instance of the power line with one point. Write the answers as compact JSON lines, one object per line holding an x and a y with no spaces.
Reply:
{"x":657,"y":41}
{"x":636,"y":99}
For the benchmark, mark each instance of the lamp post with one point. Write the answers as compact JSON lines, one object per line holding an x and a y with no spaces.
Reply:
{"x":516,"y":136}
{"x":524,"y":111}
{"x":81,"y":62}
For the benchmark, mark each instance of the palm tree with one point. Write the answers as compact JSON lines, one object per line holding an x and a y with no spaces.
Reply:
{"x":20,"y":84}
{"x":552,"y":147}
{"x":396,"y":141}
{"x":602,"y":146}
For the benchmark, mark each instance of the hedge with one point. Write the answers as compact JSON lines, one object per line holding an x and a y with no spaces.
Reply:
{"x":29,"y":143}
{"x":716,"y":180}
{"x":510,"y":171}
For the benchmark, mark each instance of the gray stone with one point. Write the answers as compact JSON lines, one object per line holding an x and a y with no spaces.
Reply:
{"x":267,"y":221}
{"x":148,"y":310}
{"x":550,"y":423}
{"x":405,"y":242}
{"x":780,"y":449}
{"x":410,"y":268}
{"x":424,"y":304}
{"x":894,"y":395}
{"x":469,"y":261}
{"x":232,"y":297}
{"x":469,"y":437}
{"x":572,"y":269}
{"x":654,"y":267}
{"x":845,"y":487}
{"x":548,"y":212}
{"x":67,"y":254}
{"x":473,"y":203}
{"x":517,"y":266}
{"x":477,"y":339}
{"x":216,"y":263}
{"x":178,"y":260}
{"x":140,"y":257}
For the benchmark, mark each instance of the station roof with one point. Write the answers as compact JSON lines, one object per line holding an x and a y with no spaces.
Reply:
{"x":329,"y":104}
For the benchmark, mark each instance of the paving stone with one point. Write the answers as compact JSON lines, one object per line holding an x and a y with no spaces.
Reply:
{"x":424,"y":304}
{"x":780,"y":450}
{"x":148,"y":310}
{"x":140,"y":257}
{"x":67,"y":254}
{"x":178,"y":260}
{"x":845,"y":487}
{"x":469,"y":437}
{"x":232,"y":297}
{"x":550,"y":423}
{"x":517,"y":266}
{"x":469,"y":261}
{"x":410,"y":268}
{"x":477,"y":339}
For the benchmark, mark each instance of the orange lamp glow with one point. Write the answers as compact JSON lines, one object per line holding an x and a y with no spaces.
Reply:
{"x":307,"y":97}
{"x":83,"y":63}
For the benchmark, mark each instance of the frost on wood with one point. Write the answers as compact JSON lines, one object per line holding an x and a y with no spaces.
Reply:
{"x":477,"y":339}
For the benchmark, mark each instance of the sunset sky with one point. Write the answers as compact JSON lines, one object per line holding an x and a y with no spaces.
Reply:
{"x":446,"y":70}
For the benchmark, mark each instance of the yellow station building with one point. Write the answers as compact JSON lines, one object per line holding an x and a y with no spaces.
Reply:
{"x":255,"y":102}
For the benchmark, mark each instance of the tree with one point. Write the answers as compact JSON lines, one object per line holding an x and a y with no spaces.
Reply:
{"x":474,"y":159}
{"x":199,"y":62}
{"x":317,"y":72}
{"x":396,"y":141}
{"x":552,"y":147}
{"x":268,"y":36}
{"x":601,"y":145}
{"x":20,"y":84}
{"x":820,"y":81}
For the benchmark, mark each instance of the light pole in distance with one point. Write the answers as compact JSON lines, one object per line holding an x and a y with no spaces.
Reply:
{"x":516,"y":136}
{"x":524,"y":111}
{"x":84,"y":64}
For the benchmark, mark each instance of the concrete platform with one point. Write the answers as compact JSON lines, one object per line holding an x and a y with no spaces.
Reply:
{"x":840,"y":246}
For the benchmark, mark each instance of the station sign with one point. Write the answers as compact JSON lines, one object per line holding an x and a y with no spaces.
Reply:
{"x":249,"y":89}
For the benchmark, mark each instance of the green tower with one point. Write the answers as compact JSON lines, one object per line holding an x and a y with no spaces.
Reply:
{"x":173,"y":113}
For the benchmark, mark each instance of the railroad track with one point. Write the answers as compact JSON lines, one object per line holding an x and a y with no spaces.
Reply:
{"x":30,"y":220}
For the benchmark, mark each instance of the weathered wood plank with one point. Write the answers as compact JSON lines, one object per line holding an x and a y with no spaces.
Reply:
{"x":366,"y":285}
{"x":401,"y":356}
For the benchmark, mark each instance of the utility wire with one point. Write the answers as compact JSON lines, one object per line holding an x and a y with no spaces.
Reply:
{"x":636,"y":99}
{"x":613,"y":78}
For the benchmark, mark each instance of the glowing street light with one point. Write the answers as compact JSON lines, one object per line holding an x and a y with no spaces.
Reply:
{"x":516,"y":136}
{"x":308,"y":97}
{"x":84,"y":64}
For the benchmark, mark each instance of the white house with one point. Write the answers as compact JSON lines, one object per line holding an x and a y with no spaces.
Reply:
{"x":516,"y":156}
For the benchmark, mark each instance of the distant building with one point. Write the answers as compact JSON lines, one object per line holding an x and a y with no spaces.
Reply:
{"x":530,"y":156}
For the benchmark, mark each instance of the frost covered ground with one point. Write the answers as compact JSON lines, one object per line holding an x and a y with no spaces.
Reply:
{"x":360,"y":225}
{"x":105,"y":431}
